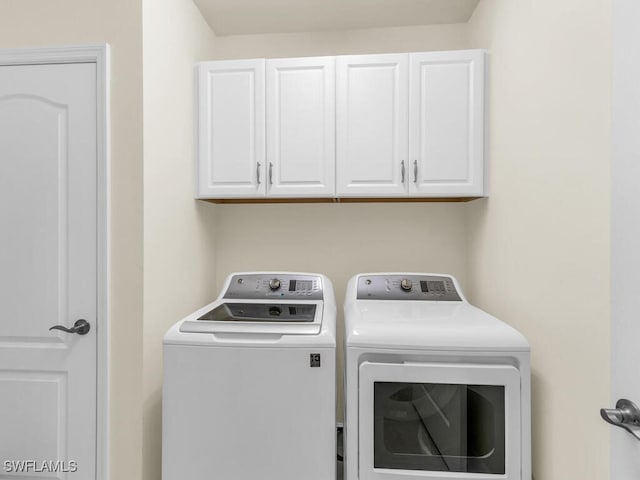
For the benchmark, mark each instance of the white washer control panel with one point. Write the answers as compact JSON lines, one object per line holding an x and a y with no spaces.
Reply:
{"x":275,"y":286}
{"x":407,"y":287}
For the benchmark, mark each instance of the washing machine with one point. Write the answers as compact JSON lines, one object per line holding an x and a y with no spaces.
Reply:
{"x":249,"y":383}
{"x":435,"y":388}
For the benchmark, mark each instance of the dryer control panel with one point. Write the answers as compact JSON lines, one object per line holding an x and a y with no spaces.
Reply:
{"x":275,"y":286}
{"x":407,"y":287}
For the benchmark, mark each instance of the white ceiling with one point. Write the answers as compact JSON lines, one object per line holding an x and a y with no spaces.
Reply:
{"x":235,"y":17}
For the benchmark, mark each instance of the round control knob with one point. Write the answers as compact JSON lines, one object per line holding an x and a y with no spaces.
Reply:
{"x":274,"y":284}
{"x":406,"y":285}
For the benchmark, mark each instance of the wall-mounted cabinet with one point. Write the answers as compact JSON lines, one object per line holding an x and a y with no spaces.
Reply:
{"x":358,"y":126}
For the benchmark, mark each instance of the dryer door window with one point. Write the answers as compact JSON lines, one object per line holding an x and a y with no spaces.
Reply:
{"x":420,"y":419}
{"x":439,"y":427}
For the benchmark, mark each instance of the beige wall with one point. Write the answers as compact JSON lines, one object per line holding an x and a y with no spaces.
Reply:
{"x":373,"y":40}
{"x":539,"y":246}
{"x":33,"y":23}
{"x":178,"y":230}
{"x":341,"y":240}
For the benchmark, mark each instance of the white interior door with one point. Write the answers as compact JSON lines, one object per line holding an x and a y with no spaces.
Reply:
{"x":48,"y":241}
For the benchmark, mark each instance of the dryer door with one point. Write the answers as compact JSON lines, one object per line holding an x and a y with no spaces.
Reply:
{"x":439,"y":421}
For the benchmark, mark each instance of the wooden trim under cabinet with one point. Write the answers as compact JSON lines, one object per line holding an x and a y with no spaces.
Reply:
{"x":341,"y":200}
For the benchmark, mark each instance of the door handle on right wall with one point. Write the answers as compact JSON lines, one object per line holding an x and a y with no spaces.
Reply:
{"x":626,"y":415}
{"x":415,"y":171}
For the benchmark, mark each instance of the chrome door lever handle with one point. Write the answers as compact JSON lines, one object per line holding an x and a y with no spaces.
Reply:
{"x":626,"y":415}
{"x":81,"y":327}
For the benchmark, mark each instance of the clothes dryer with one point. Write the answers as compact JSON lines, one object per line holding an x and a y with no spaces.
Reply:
{"x":249,"y":383}
{"x":436,"y":389}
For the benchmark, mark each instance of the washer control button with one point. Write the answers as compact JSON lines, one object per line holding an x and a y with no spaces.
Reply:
{"x":274,"y":284}
{"x":406,"y":284}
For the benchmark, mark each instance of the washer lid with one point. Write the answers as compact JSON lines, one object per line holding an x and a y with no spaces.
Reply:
{"x":293,"y":318}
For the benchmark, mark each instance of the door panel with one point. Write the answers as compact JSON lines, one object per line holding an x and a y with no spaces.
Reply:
{"x":447,"y":123}
{"x":301,"y":127}
{"x":48,"y":265}
{"x":372,"y":102}
{"x":44,"y":417}
{"x":231,"y":147}
{"x":34,"y":245}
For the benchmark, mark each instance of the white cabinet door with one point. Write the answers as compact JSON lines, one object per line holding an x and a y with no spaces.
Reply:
{"x":446,"y":145}
{"x":301,"y":127}
{"x":231,"y":143}
{"x":372,"y":102}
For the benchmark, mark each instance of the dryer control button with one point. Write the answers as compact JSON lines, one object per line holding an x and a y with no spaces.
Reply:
{"x":406,"y":285}
{"x":274,"y":284}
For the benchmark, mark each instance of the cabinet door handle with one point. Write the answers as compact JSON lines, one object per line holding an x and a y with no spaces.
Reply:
{"x":402,"y":171}
{"x":415,"y":171}
{"x":258,"y":173}
{"x":270,"y":173}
